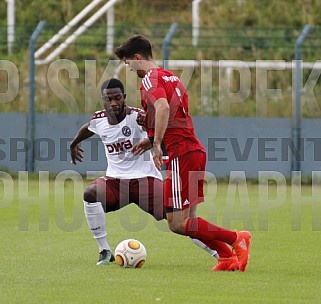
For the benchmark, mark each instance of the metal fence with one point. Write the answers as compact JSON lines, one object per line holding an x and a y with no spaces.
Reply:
{"x":242,"y":43}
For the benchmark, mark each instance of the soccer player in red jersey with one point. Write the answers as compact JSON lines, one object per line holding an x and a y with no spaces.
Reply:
{"x":165,"y":102}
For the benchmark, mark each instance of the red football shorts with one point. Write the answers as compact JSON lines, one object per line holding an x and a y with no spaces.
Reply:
{"x":183,"y":186}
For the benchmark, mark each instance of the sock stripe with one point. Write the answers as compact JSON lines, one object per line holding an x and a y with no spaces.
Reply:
{"x":191,"y":227}
{"x":194,"y":224}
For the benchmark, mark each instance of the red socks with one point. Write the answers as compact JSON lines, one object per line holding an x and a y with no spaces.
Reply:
{"x":203,"y":230}
{"x":222,"y":249}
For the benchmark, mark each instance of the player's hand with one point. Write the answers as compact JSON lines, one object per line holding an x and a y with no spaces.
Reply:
{"x":141,"y":147}
{"x":76,"y":154}
{"x":141,"y":119}
{"x":157,"y":156}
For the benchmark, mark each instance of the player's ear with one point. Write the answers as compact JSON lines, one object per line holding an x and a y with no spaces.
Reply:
{"x":138,"y":57}
{"x":125,"y":95}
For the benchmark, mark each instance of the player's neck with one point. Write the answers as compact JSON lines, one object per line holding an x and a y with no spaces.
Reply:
{"x":116,"y":119}
{"x":149,"y":65}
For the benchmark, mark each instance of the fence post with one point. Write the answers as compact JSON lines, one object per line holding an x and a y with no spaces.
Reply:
{"x":31,"y":104}
{"x":196,"y":21}
{"x":165,"y":47}
{"x":296,"y":103}
{"x":11,"y":25}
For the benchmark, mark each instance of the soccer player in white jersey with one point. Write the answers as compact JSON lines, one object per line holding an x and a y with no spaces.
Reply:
{"x":130,"y":177}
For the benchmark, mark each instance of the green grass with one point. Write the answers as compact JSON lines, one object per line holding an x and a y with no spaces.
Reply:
{"x":53,"y":259}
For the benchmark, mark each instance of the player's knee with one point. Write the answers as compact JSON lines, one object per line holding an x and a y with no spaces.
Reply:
{"x":90,"y":195}
{"x":176,"y":226}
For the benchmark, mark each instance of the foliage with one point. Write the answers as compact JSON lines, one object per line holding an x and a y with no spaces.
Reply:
{"x":246,"y":30}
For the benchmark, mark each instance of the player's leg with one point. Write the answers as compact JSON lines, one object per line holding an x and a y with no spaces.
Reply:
{"x":228,"y":260}
{"x":178,"y":221}
{"x":147,"y":194}
{"x":181,"y":191}
{"x":209,"y":248}
{"x":215,"y":248}
{"x":239,"y":240}
{"x":99,"y":198}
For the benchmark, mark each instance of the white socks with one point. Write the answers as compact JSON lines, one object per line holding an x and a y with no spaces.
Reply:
{"x":206,"y":248}
{"x":96,"y":220}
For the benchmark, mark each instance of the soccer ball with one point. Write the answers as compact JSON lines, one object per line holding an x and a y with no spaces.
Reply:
{"x":130,"y":254}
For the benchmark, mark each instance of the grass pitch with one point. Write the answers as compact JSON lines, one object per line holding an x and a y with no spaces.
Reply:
{"x":48,"y":254}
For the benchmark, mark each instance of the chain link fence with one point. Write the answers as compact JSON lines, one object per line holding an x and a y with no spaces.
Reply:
{"x":241,"y":43}
{"x":214,"y":44}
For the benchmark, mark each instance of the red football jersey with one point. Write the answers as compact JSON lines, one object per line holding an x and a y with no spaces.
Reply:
{"x":179,"y":137}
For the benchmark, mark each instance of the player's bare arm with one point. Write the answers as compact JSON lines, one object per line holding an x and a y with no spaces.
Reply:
{"x":75,"y":150}
{"x":141,"y":147}
{"x":161,"y":121}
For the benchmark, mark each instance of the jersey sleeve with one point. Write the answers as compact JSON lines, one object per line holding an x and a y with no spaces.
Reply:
{"x":94,"y":120}
{"x":157,"y":90}
{"x":92,"y":124}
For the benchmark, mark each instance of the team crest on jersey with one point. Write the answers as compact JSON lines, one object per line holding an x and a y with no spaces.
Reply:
{"x":126,"y":131}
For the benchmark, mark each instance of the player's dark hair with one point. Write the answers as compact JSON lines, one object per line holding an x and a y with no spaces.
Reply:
{"x":112,"y":83}
{"x":137,"y":44}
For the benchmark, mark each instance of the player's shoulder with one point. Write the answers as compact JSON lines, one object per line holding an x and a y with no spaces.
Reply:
{"x":99,"y":114}
{"x":133,"y":111}
{"x":157,"y":76}
{"x":154,"y":74}
{"x":168,"y":76}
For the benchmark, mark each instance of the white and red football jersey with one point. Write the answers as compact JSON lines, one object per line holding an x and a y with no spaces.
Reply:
{"x":118,"y":140}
